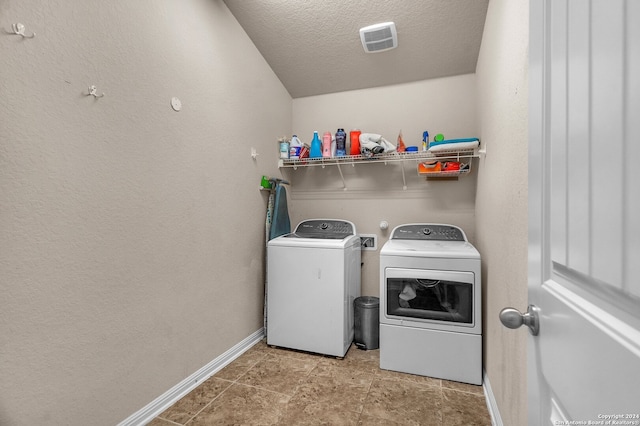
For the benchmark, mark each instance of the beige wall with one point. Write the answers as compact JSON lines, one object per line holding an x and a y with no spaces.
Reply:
{"x":501,"y":204}
{"x":123,"y":269}
{"x":375,"y":191}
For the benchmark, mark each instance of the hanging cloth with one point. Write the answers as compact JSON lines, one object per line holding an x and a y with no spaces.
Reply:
{"x":267,"y":228}
{"x":270,"y":204}
{"x":280,"y":224}
{"x":277,"y":223}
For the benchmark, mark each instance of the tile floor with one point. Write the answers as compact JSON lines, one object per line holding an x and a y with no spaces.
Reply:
{"x":273,"y":386}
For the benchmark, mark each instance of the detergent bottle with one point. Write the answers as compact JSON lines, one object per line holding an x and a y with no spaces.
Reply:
{"x":326,"y":144}
{"x":296,"y":146}
{"x":341,"y":143}
{"x":354,"y":135}
{"x":316,"y":148}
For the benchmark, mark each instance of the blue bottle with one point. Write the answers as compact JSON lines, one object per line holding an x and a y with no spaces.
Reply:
{"x":316,"y":146}
{"x":341,"y":143}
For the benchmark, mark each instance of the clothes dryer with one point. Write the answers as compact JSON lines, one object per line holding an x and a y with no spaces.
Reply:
{"x":313,"y":278}
{"x":430,"y":303}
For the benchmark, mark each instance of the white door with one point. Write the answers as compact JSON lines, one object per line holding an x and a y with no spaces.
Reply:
{"x":584,"y":212}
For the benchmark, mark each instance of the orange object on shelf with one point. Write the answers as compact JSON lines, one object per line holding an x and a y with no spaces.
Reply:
{"x":401,"y":147}
{"x":451,"y":166}
{"x":432,"y":167}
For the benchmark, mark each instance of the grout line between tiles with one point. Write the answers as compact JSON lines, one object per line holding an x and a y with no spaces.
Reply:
{"x":366,"y":397}
{"x":264,"y":389}
{"x":226,"y":389}
{"x":170,"y":421}
{"x":231,"y":383}
{"x":441,"y":410}
{"x":464,"y":392}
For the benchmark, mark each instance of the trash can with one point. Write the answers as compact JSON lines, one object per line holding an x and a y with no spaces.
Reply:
{"x":367,"y":320}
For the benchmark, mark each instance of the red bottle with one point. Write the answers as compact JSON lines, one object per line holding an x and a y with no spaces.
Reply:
{"x":355,"y":142}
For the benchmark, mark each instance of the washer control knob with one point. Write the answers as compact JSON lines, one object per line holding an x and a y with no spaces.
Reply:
{"x":426,"y":231}
{"x":324,"y":225}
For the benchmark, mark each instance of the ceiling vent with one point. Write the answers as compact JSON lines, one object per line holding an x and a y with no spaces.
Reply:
{"x":379,"y":37}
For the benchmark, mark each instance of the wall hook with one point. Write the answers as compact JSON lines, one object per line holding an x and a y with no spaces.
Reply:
{"x":93,"y":91}
{"x":19,"y":30}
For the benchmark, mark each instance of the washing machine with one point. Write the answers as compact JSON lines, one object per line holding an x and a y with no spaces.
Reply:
{"x":430,"y":303}
{"x":313,"y":278}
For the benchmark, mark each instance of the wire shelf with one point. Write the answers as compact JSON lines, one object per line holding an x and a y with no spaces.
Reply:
{"x":380,"y":158}
{"x":395,"y":157}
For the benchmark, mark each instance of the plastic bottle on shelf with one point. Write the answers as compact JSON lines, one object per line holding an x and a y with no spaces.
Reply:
{"x":354,"y":136}
{"x":316,"y":146}
{"x":401,"y":146}
{"x":425,"y":140}
{"x":284,"y":147}
{"x":341,"y":143}
{"x":296,"y":146}
{"x":326,"y":144}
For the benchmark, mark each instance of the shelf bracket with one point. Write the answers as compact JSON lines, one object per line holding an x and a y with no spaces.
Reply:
{"x":404,"y":179}
{"x":344,"y":183}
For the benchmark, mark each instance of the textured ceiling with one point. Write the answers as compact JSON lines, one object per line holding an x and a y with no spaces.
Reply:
{"x":314,"y":46}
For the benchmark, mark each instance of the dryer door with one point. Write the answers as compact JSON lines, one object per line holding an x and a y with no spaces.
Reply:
{"x":429,"y":299}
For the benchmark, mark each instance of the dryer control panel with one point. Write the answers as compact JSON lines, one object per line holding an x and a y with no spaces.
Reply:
{"x":329,"y":229}
{"x":428,"y":231}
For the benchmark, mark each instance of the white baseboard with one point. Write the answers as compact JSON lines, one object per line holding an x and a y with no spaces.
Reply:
{"x":164,"y":401}
{"x":492,"y":405}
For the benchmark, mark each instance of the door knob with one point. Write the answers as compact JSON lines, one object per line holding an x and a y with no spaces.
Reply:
{"x":512,"y":318}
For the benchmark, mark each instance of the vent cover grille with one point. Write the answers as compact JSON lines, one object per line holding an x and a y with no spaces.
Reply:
{"x":379,"y":37}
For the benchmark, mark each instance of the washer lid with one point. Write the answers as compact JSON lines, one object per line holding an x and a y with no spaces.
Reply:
{"x":352,"y":241}
{"x":433,"y":249}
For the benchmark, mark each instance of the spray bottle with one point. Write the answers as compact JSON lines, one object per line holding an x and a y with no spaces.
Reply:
{"x":425,"y":140}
